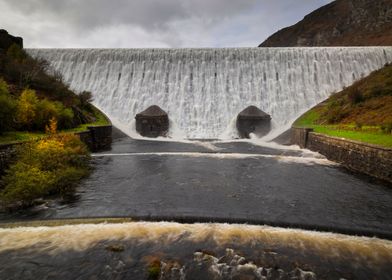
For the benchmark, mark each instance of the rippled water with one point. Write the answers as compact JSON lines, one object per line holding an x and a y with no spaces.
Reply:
{"x":225,"y":182}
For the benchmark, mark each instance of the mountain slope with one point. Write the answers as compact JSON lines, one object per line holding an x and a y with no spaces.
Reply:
{"x":340,"y":23}
{"x":360,"y":112}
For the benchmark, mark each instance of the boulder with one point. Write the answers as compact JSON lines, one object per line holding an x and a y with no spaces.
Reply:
{"x":253,"y":120}
{"x":152,"y":122}
{"x":7,"y":40}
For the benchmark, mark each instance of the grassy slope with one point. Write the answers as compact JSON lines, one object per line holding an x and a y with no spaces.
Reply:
{"x":356,"y":113}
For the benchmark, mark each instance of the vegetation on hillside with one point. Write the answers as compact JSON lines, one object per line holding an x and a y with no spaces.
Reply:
{"x":340,"y":23}
{"x":30,"y":98}
{"x":361,"y":112}
{"x":33,"y":106}
{"x":53,"y":165}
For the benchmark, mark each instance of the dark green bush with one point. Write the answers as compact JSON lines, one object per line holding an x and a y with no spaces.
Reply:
{"x":7,"y":108}
{"x":85,"y":99}
{"x":16,"y":53}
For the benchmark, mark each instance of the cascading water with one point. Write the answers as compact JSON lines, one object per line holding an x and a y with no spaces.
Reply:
{"x":203,"y":90}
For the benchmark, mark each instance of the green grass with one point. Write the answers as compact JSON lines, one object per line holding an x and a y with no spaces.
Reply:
{"x":24,"y":136}
{"x":19,"y":136}
{"x":367,"y":134}
{"x":307,"y":119}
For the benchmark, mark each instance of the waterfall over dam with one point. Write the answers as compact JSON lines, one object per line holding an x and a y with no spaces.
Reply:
{"x":203,"y":90}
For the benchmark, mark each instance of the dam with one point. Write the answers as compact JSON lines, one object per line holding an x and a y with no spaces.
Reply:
{"x":213,"y":207}
{"x":203,"y":90}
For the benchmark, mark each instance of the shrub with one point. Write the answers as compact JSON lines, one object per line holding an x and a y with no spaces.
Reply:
{"x":24,"y":183}
{"x":85,"y":99}
{"x":16,"y":53}
{"x":354,"y":95}
{"x":358,"y":125}
{"x":46,"y":110}
{"x":7,"y":108}
{"x":53,"y":165}
{"x":65,"y":116}
{"x":386,"y":128}
{"x":27,"y":109}
{"x":35,"y":114}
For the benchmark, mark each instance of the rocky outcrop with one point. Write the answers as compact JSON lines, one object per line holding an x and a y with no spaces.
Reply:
{"x":340,"y":23}
{"x":152,"y":122}
{"x":7,"y":40}
{"x":253,"y":120}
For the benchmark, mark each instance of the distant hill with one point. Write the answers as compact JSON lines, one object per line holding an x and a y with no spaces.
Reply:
{"x":340,"y":23}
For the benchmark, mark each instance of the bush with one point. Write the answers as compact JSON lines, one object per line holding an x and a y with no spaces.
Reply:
{"x":85,"y":99}
{"x":35,"y":114}
{"x":358,"y":125}
{"x":27,"y":109}
{"x":16,"y":53}
{"x":46,"y":110}
{"x":51,"y":166}
{"x":354,"y":95}
{"x":7,"y":108}
{"x":386,"y":128}
{"x":24,"y":183}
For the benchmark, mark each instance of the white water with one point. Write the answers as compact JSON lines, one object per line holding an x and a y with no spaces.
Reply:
{"x":203,"y":90}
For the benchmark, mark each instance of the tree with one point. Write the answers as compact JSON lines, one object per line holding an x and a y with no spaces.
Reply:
{"x":85,"y":98}
{"x":27,"y":109}
{"x":7,"y":108}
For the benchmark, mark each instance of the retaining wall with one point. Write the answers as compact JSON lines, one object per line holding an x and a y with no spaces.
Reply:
{"x":369,"y":159}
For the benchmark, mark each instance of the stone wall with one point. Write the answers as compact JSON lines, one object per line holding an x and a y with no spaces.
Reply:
{"x":299,"y":136}
{"x":7,"y":154}
{"x":97,"y":138}
{"x":369,"y":159}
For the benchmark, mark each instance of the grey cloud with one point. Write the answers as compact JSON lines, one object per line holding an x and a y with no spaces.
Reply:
{"x":146,"y":13}
{"x":150,"y":23}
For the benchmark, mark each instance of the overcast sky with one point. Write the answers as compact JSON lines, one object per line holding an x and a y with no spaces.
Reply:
{"x":150,"y":23}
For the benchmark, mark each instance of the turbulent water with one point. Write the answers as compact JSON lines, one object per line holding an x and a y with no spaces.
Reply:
{"x":203,"y":90}
{"x":188,"y":252}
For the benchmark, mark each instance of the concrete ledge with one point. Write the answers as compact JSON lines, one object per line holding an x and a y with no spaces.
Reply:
{"x":366,"y":158}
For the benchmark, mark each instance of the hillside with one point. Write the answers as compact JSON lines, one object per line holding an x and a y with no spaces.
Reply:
{"x":340,"y":23}
{"x":361,"y":112}
{"x":30,"y":98}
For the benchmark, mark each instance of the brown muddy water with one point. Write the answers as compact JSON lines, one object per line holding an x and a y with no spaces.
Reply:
{"x":132,"y":250}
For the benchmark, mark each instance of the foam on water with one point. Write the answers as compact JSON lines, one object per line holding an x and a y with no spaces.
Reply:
{"x":203,"y":90}
{"x":287,"y":159}
{"x":68,"y":237}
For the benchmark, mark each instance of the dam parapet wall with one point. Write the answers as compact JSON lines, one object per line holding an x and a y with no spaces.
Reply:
{"x":369,"y":159}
